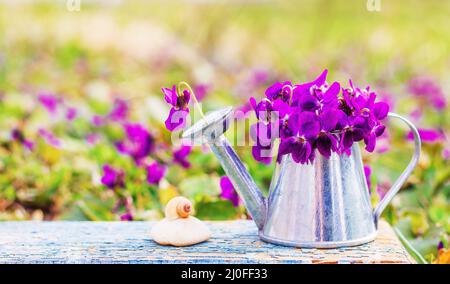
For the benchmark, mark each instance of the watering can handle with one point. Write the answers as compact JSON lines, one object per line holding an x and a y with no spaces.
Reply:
{"x":406,"y":173}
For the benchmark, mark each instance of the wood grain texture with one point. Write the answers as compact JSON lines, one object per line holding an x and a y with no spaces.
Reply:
{"x":129,"y":242}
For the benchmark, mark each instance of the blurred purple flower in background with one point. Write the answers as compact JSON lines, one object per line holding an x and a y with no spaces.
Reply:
{"x":242,"y":111}
{"x":98,"y":120}
{"x":49,"y":102}
{"x":119,"y":111}
{"x":155,"y":172}
{"x":180,"y":156}
{"x":428,"y":135}
{"x":49,"y":137}
{"x":383,"y":188}
{"x":427,"y":89}
{"x":383,"y":143}
{"x":387,"y":97}
{"x":258,"y":77}
{"x":446,"y":153}
{"x":71,"y":113}
{"x":139,"y":143}
{"x":112,"y":178}
{"x":18,"y":136}
{"x":251,"y":83}
{"x":201,"y":91}
{"x":416,"y":114}
{"x":228,"y":192}
{"x":92,"y":138}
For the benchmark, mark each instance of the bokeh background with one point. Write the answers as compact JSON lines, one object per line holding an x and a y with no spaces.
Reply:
{"x":72,"y":83}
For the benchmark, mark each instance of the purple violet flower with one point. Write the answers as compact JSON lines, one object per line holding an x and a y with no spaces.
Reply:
{"x":155,"y":172}
{"x":320,"y":98}
{"x":262,"y":154}
{"x":306,"y":88}
{"x":262,"y":134}
{"x":315,"y":116}
{"x":179,"y":110}
{"x":263,"y":109}
{"x":180,"y":156}
{"x":326,"y":140}
{"x":112,"y":178}
{"x":228,"y":191}
{"x":126,"y":217}
{"x":280,"y":91}
{"x":139,"y":142}
{"x":305,"y":127}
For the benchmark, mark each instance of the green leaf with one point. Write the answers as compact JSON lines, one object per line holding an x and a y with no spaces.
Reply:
{"x":9,"y":193}
{"x":426,"y":247}
{"x":90,"y":208}
{"x":216,"y":210}
{"x":411,"y":250}
{"x":197,"y":187}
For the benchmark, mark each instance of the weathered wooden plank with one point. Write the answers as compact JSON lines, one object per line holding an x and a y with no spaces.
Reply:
{"x":129,"y":242}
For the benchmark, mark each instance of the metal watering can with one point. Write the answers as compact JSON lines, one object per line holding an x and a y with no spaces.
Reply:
{"x":325,"y":204}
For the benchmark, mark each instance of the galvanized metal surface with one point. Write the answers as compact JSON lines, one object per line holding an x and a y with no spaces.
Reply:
{"x":129,"y":242}
{"x":321,"y":205}
{"x":245,"y":185}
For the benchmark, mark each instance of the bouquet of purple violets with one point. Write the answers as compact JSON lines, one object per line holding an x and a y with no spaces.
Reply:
{"x":315,"y":116}
{"x":305,"y":117}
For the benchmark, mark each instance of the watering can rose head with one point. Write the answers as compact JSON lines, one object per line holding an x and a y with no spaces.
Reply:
{"x":316,"y":116}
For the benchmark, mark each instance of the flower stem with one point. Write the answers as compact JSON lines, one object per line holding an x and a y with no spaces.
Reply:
{"x":291,"y":92}
{"x":186,"y":86}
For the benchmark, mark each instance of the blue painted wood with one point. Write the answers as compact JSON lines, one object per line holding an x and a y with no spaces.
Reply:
{"x":129,"y":242}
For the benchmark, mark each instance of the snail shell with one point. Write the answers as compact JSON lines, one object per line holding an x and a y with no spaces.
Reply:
{"x":178,"y":207}
{"x":179,"y":228}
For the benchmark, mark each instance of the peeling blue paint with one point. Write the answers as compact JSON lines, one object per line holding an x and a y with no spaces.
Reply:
{"x":129,"y":242}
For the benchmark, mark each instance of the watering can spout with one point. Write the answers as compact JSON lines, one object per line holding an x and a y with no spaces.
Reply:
{"x":210,"y":130}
